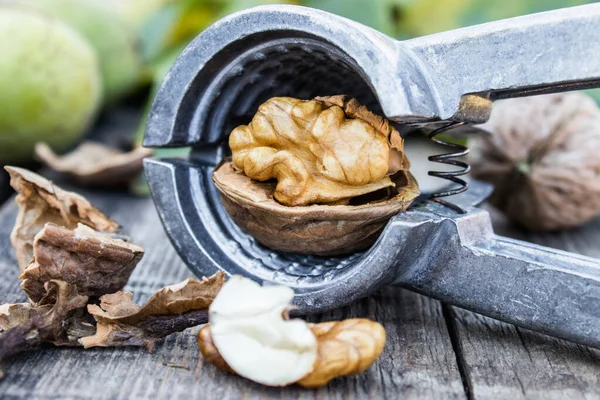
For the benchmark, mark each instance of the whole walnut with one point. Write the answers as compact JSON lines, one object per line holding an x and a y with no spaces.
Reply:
{"x":543,"y":157}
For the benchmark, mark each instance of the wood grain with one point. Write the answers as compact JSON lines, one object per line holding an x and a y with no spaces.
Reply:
{"x":501,"y":361}
{"x":418,"y":360}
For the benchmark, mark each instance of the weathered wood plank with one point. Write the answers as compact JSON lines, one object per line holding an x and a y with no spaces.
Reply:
{"x":501,"y":361}
{"x":418,"y":361}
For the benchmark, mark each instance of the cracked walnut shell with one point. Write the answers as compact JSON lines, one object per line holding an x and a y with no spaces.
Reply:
{"x":40,"y":201}
{"x":340,"y":170}
{"x":317,"y":229}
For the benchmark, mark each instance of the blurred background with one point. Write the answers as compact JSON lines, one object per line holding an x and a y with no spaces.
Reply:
{"x":75,"y":69}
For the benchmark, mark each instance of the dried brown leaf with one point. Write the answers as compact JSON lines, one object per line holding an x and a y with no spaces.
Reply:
{"x":40,"y":202}
{"x":121,"y":322}
{"x":95,"y":164}
{"x":94,"y":263}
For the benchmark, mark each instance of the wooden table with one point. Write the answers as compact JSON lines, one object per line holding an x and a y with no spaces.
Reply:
{"x":433,"y":351}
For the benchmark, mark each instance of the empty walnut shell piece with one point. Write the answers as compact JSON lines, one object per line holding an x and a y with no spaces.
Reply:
{"x":314,"y":229}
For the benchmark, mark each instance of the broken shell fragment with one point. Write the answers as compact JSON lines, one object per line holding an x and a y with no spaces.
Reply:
{"x":92,"y":262}
{"x":318,"y":229}
{"x":248,"y":328}
{"x":40,"y":201}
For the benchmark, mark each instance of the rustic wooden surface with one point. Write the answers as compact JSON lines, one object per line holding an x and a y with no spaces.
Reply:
{"x":433,"y":351}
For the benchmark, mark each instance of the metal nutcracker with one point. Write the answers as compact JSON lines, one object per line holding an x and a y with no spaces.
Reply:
{"x":447,"y":251}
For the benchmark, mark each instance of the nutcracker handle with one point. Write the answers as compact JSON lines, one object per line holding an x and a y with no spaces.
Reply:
{"x":540,"y":53}
{"x":460,"y":261}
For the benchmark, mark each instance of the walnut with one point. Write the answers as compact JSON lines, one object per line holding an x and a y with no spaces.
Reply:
{"x":345,"y":347}
{"x":542,"y":158}
{"x":95,"y":164}
{"x":250,"y":334}
{"x":320,"y":151}
{"x":40,"y":201}
{"x":340,"y":170}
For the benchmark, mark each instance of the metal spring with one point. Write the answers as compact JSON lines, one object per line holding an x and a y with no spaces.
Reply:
{"x":449,"y":159}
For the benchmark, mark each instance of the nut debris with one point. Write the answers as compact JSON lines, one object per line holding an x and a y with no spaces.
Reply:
{"x":253,"y":338}
{"x":71,"y":265}
{"x":95,"y":263}
{"x":52,"y":320}
{"x":40,"y":202}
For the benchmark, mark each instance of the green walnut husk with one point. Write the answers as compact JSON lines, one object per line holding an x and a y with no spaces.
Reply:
{"x":50,"y":83}
{"x":113,"y":39}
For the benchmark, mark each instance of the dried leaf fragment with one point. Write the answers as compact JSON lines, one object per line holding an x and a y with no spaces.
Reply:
{"x":40,"y":202}
{"x":121,"y":322}
{"x":95,"y":164}
{"x":343,"y":347}
{"x":94,"y":263}
{"x":320,"y":151}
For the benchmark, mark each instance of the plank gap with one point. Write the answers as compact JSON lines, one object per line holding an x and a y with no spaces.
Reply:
{"x":450,"y":318}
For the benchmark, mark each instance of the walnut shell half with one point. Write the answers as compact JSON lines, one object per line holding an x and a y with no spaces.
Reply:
{"x":315,"y":229}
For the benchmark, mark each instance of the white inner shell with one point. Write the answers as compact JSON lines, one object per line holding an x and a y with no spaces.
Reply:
{"x":248,"y":329}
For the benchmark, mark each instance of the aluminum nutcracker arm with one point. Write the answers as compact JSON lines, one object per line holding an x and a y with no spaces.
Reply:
{"x":230,"y":68}
{"x":459,"y":260}
{"x":539,"y":53}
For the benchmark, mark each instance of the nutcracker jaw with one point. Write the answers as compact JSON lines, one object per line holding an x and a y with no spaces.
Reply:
{"x":248,"y":57}
{"x":223,"y":75}
{"x":203,"y":234}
